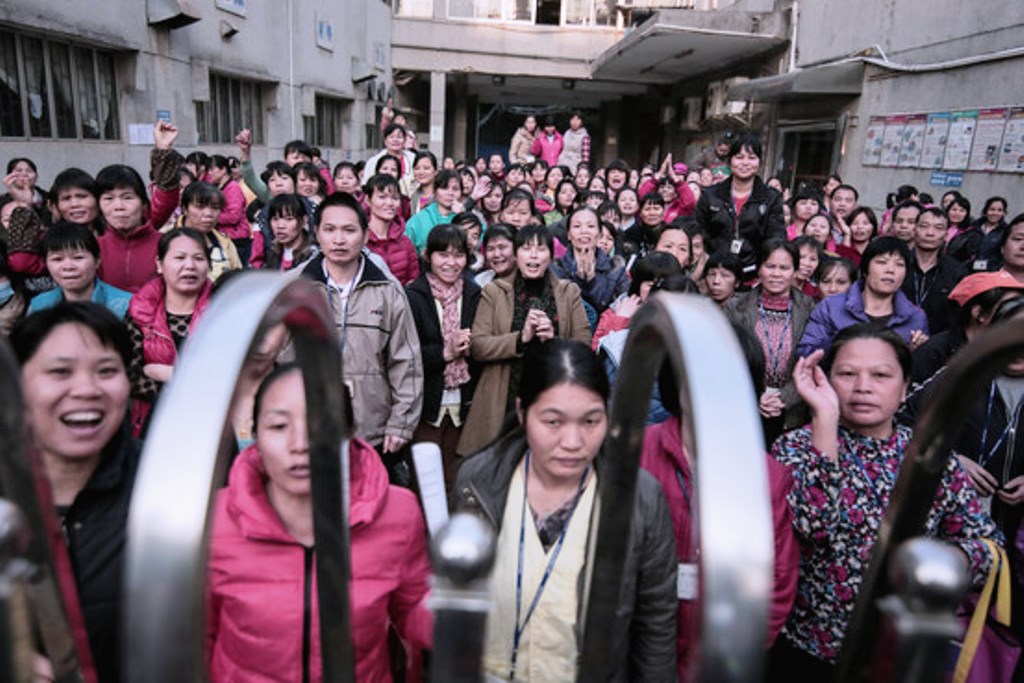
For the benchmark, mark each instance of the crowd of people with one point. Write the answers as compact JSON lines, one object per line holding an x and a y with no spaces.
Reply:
{"x":484,"y":306}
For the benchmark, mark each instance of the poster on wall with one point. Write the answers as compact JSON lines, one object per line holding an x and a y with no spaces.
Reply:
{"x":913,"y":141}
{"x":892,"y":139}
{"x":961,"y":135}
{"x":873,"y":142}
{"x":936,"y":133}
{"x":987,"y":138}
{"x":1011,"y":154}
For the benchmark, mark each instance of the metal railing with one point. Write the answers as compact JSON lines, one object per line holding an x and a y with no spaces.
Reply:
{"x":185,"y":460}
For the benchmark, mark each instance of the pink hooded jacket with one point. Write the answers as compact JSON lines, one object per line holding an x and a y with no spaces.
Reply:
{"x":259,"y":576}
{"x":663,"y":457}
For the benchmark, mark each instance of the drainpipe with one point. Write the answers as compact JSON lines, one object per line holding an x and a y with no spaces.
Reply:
{"x":794,"y":26}
{"x":291,"y":71}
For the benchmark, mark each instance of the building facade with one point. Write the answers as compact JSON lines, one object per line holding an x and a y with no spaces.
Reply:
{"x":83,"y":82}
{"x":892,"y":93}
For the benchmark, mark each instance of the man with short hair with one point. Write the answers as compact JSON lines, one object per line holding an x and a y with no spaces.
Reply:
{"x":843,"y":201}
{"x":904,"y":221}
{"x":381,"y":359}
{"x":931,"y":275}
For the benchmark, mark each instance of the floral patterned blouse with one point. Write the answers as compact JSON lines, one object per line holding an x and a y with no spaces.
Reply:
{"x":837,"y":511}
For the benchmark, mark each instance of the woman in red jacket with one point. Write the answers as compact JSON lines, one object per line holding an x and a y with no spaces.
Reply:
{"x":263,"y":621}
{"x":664,"y":457}
{"x":232,"y":222}
{"x":163,"y":313}
{"x":386,"y":235}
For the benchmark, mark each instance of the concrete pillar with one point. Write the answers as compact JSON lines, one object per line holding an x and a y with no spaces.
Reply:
{"x":437,"y":106}
{"x":460,"y":129}
{"x":612,"y":114}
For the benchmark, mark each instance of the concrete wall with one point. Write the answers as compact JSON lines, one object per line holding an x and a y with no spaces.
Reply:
{"x":168,"y":69}
{"x":919,"y":32}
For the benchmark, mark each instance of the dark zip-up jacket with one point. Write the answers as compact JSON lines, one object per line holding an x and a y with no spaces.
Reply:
{"x":930,"y":291}
{"x":646,"y":614}
{"x":94,"y":528}
{"x":760,"y":219}
{"x":428,"y":325}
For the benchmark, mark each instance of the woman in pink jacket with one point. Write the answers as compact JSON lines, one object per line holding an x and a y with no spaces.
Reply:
{"x":548,"y":144}
{"x":263,"y":623}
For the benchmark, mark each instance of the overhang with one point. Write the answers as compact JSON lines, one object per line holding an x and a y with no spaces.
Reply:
{"x":843,"y":79}
{"x":674,"y":46}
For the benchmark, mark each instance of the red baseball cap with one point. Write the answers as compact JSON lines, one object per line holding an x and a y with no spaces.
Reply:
{"x":979,"y":283}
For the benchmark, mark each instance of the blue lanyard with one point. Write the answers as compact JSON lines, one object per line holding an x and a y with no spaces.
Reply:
{"x":923,"y":280}
{"x":852,"y":450}
{"x":774,"y":359}
{"x":985,"y":457}
{"x":521,"y":627}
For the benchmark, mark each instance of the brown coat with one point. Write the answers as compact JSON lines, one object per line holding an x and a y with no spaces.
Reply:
{"x":494,"y":347}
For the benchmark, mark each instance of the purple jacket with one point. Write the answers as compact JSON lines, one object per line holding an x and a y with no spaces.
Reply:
{"x":840,"y":311}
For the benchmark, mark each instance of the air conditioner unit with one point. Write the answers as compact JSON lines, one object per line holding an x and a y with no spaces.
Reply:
{"x":718,"y":98}
{"x":692,"y":112}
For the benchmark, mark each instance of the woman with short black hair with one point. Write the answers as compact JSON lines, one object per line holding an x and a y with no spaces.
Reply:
{"x":876,"y":298}
{"x":548,"y":461}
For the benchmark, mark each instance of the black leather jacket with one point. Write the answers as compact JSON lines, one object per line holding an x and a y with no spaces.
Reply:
{"x":648,"y":606}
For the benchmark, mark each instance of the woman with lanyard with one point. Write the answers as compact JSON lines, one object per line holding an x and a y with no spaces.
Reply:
{"x":741,"y":212}
{"x":537,"y":486}
{"x":844,"y":467}
{"x":990,"y":449}
{"x":776,"y":313}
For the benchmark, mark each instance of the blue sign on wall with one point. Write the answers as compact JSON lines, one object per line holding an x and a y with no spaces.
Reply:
{"x":947,"y":179}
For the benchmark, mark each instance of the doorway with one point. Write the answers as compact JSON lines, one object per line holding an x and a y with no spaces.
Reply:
{"x":808,"y":154}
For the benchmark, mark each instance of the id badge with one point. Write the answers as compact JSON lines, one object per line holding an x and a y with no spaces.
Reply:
{"x":986,"y":504}
{"x":736,"y":246}
{"x":686,"y":581}
{"x":980,"y":265}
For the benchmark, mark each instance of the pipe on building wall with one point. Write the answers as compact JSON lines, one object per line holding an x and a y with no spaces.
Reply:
{"x":884,"y":62}
{"x":1008,"y":53}
{"x":794,"y":23}
{"x":291,"y":71}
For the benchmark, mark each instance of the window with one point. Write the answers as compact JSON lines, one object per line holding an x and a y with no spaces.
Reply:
{"x":51,"y":89}
{"x":234,"y":104}
{"x":325,"y":129}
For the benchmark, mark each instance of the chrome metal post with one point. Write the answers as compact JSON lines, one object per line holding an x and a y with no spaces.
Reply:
{"x":25,"y":486}
{"x":929,"y":579}
{"x":722,"y":433}
{"x":184,"y":462}
{"x":937,"y":429}
{"x":462,"y":555}
{"x":17,"y":647}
